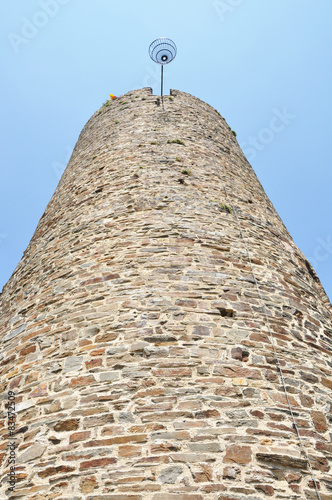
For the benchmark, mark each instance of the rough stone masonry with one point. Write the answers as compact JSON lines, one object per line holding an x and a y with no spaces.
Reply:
{"x":133,"y":335}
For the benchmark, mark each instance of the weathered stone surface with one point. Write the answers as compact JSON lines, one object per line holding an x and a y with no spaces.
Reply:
{"x":85,"y":381}
{"x":51,"y":471}
{"x":293,"y":477}
{"x":67,"y":425}
{"x":205,"y":447}
{"x":41,"y":390}
{"x":238,"y":454}
{"x":288,"y":460}
{"x":327,"y":382}
{"x":319,"y":421}
{"x":100,"y":420}
{"x":115,"y":497}
{"x":16,"y":331}
{"x":33,"y":452}
{"x":320,"y":463}
{"x":230,"y":472}
{"x":97,"y":463}
{"x":177,"y":496}
{"x":88,"y":484}
{"x":238,"y":497}
{"x":239,"y":353}
{"x":266,"y":488}
{"x":109,"y":376}
{"x":133,"y":334}
{"x":73,"y":364}
{"x":79,"y":436}
{"x":128,"y":450}
{"x":169,"y":475}
{"x":210,"y":488}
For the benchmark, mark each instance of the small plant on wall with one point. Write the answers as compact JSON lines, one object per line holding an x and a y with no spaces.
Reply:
{"x":225,"y":208}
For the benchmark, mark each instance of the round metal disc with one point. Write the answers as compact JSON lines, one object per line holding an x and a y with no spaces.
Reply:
{"x":162,"y":50}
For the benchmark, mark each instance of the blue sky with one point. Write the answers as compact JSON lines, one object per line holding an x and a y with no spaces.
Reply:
{"x":265,"y":65}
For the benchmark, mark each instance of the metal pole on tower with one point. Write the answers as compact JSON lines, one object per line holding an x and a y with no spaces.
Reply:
{"x":162,"y":51}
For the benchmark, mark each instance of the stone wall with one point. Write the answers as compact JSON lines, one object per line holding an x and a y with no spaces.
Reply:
{"x":133,"y":335}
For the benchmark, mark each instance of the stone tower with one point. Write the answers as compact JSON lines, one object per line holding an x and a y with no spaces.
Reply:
{"x":162,"y":337}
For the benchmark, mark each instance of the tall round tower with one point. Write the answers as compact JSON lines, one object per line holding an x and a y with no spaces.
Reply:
{"x":162,"y":337}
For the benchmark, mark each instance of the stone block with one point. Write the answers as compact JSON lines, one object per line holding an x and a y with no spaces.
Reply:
{"x":31,"y":453}
{"x":169,"y":475}
{"x":238,"y":454}
{"x":73,"y":364}
{"x":67,"y":425}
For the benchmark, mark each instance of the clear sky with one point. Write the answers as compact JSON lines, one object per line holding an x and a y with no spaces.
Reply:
{"x":265,"y":65}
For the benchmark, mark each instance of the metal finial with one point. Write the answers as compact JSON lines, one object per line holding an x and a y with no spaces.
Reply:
{"x":162,"y":51}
